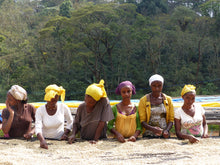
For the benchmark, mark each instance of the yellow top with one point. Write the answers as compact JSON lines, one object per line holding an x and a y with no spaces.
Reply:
{"x":96,"y":91}
{"x":145,"y":109}
{"x":126,"y":125}
{"x":53,"y":90}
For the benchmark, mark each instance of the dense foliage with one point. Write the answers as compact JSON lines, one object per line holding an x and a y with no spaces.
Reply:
{"x":75,"y":43}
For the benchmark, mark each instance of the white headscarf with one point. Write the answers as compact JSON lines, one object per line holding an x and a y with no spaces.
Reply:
{"x":156,"y":77}
{"x":18,"y":92}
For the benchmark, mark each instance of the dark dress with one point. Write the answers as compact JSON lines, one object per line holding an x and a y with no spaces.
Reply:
{"x":87,"y":123}
{"x":22,"y":123}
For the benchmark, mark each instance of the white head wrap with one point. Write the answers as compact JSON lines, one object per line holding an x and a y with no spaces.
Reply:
{"x":18,"y":92}
{"x":156,"y":77}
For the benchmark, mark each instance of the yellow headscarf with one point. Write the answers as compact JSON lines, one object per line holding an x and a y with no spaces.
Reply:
{"x":96,"y":91}
{"x":53,"y":90}
{"x":188,"y":88}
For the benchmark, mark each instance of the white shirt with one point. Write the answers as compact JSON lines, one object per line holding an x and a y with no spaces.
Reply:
{"x":52,"y":126}
{"x":191,"y":125}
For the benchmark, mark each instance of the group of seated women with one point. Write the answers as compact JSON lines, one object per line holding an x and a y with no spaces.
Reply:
{"x":153,"y":117}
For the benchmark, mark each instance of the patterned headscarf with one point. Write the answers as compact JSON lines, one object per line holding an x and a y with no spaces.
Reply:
{"x":156,"y":77}
{"x":123,"y":84}
{"x":52,"y":90}
{"x":18,"y":92}
{"x":96,"y":91}
{"x":188,"y":88}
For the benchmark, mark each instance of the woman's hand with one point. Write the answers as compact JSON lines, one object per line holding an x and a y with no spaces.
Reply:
{"x":64,"y":137}
{"x":205,"y":136}
{"x":158,"y":131}
{"x":132,"y":139}
{"x":193,"y":139}
{"x":43,"y":144}
{"x":120,"y":138}
{"x":71,"y":139}
{"x":166,"y":134}
{"x":93,"y":141}
{"x":28,"y":135}
{"x":6,"y":123}
{"x":11,"y":111}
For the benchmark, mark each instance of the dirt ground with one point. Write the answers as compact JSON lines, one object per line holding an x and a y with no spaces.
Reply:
{"x":109,"y":152}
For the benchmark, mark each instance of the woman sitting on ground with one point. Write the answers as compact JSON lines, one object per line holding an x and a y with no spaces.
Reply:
{"x":50,"y":118}
{"x":18,"y":115}
{"x":92,"y":115}
{"x":190,"y":121}
{"x":126,"y":123}
{"x":156,"y":110}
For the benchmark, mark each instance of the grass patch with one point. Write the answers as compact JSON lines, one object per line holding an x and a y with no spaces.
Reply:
{"x":1,"y":133}
{"x":214,"y":127}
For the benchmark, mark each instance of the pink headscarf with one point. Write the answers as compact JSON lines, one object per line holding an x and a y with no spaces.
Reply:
{"x":123,"y":84}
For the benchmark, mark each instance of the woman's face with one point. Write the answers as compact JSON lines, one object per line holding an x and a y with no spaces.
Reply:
{"x":53,"y":101}
{"x":11,"y":100}
{"x":157,"y":87}
{"x":126,"y":92}
{"x":90,"y":102}
{"x":189,"y":98}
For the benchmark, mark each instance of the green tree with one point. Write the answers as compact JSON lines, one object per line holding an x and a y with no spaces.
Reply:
{"x":211,"y":8}
{"x":51,"y":3}
{"x":65,"y":9}
{"x":192,"y":4}
{"x":152,"y":7}
{"x":183,"y":16}
{"x":100,"y":28}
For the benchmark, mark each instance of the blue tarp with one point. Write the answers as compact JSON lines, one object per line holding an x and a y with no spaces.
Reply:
{"x":175,"y":100}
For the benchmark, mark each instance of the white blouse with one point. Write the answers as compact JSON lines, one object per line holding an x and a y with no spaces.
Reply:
{"x":52,"y":126}
{"x":191,"y":125}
